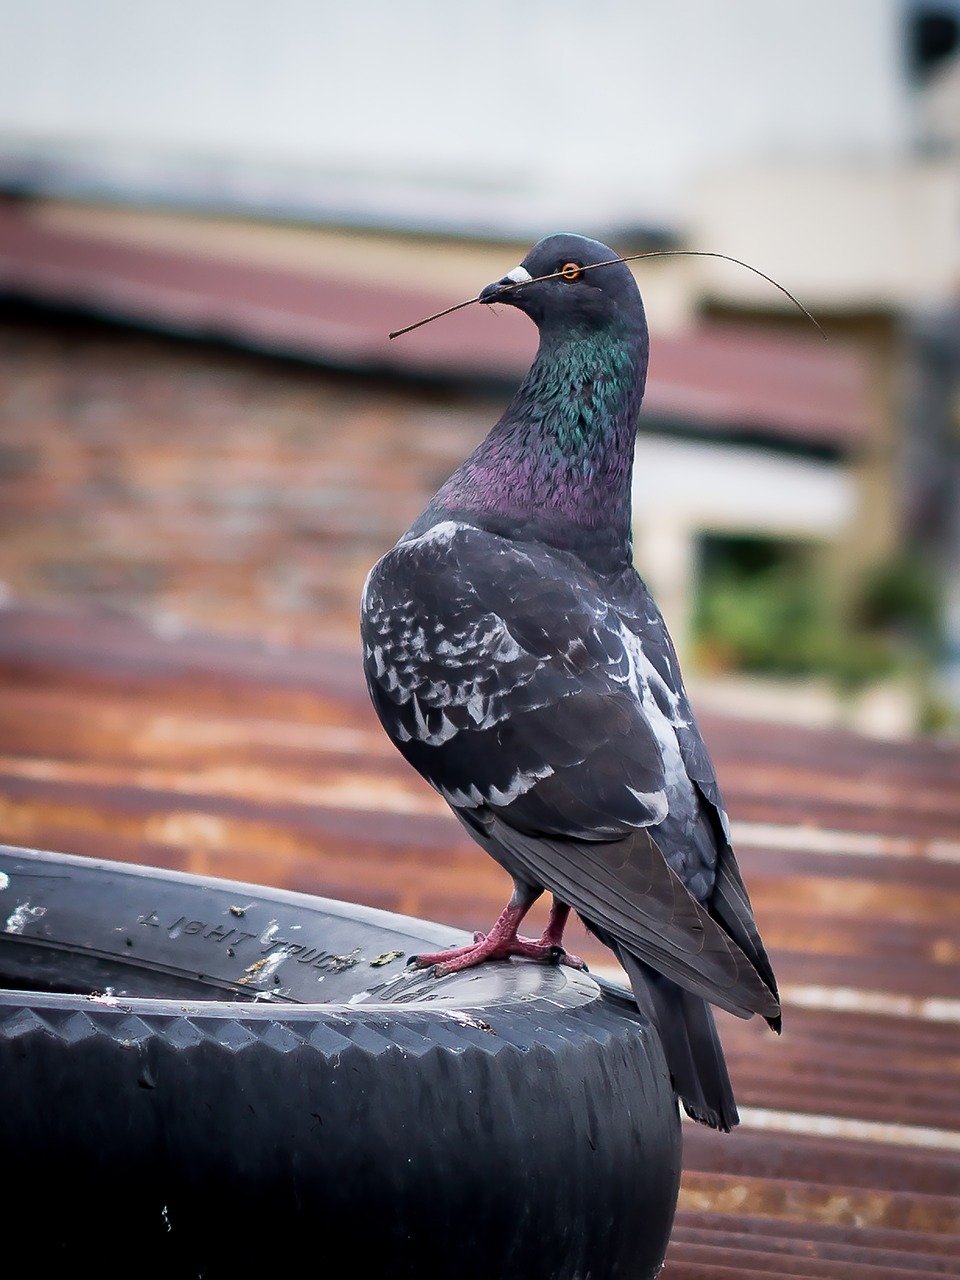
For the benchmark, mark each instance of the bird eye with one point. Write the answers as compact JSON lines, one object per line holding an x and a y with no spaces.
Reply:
{"x":571,"y":271}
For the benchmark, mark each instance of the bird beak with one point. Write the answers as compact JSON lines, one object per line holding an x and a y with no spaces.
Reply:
{"x":505,"y":286}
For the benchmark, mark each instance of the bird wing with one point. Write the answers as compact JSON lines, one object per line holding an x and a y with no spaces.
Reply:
{"x":729,"y":902}
{"x":520,"y":686}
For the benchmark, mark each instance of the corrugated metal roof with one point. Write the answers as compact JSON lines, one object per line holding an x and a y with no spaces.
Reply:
{"x":234,"y":759}
{"x":719,"y":378}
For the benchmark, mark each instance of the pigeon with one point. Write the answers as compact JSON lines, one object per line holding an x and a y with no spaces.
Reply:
{"x":517,"y":661}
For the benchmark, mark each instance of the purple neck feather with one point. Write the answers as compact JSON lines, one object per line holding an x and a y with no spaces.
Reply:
{"x":557,"y":466}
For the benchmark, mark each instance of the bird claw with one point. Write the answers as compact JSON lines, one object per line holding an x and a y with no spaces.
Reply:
{"x":484,"y":948}
{"x":547,"y":951}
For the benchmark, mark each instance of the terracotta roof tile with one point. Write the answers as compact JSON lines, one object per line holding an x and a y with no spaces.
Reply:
{"x":230,"y":758}
{"x":721,"y":379}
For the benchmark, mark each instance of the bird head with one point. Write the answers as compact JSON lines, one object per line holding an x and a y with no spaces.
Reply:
{"x":560,"y":283}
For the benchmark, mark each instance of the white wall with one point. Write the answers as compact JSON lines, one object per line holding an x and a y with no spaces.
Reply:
{"x":871,"y":235}
{"x":610,"y":104}
{"x":684,"y":488}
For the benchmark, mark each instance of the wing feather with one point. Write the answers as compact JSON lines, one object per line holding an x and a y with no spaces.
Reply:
{"x":547,"y":706}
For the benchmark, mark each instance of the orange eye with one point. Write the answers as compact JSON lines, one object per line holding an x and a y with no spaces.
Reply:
{"x":571,"y":271}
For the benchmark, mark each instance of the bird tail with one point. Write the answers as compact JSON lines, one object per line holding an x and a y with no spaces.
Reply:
{"x":690,"y":1042}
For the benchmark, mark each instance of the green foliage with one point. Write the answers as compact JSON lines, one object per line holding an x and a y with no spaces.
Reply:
{"x":902,"y":594}
{"x":765,"y":608}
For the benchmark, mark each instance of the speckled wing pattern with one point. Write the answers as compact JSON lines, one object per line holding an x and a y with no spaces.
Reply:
{"x":545,"y":704}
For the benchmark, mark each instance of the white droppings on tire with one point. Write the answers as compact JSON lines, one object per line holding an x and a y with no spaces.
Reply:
{"x":263,"y":969}
{"x":465,"y":1020}
{"x":270,"y":932}
{"x":21,"y":916}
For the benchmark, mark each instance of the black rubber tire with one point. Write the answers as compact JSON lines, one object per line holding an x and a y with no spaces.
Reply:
{"x":203,"y":1109}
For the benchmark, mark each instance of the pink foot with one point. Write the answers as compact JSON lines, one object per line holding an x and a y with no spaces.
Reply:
{"x":545,"y":948}
{"x":503,"y":941}
{"x":486,"y":947}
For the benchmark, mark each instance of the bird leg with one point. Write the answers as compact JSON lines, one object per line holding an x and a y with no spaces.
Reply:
{"x":552,"y":936}
{"x":503,"y":939}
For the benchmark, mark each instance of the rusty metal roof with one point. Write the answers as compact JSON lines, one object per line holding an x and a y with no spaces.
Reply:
{"x":719,"y":377}
{"x":231,"y":758}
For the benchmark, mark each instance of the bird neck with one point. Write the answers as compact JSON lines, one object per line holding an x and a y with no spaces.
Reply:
{"x":557,"y":466}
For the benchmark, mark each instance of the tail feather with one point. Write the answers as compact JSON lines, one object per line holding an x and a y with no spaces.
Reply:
{"x":730,"y":904}
{"x":690,"y":1042}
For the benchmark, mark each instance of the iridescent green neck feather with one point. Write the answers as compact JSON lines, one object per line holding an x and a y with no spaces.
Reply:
{"x":557,"y":466}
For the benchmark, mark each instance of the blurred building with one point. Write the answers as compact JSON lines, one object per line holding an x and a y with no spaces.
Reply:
{"x":742,"y":431}
{"x":302,"y":179}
